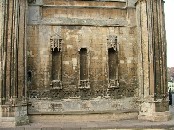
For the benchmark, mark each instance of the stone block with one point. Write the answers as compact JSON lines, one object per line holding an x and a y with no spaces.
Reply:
{"x":34,"y":14}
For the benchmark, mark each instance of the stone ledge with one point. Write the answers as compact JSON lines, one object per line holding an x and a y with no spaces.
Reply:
{"x":62,"y":21}
{"x":83,"y":7}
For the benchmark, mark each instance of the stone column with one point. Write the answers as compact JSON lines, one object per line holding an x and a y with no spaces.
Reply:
{"x":152,"y":61}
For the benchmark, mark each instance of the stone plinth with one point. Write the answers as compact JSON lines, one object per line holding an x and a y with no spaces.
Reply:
{"x":154,"y":111}
{"x":14,"y":115}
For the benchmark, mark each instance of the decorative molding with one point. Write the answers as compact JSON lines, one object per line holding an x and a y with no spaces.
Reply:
{"x":84,"y":84}
{"x":56,"y":84}
{"x":113,"y":83}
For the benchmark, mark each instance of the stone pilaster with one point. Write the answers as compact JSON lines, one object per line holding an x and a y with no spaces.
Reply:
{"x":1,"y":25}
{"x":2,"y":8}
{"x":152,"y":60}
{"x":1,"y":36}
{"x":13,"y":105}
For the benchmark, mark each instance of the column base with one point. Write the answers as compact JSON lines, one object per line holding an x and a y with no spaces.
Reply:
{"x":156,"y":116}
{"x":14,"y":115}
{"x":154,"y":111}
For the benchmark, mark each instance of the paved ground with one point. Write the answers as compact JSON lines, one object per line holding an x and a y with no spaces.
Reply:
{"x":110,"y":125}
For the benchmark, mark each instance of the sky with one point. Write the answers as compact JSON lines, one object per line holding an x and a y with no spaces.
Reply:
{"x":169,"y":19}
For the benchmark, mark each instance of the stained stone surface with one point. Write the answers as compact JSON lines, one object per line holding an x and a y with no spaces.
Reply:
{"x":82,"y":57}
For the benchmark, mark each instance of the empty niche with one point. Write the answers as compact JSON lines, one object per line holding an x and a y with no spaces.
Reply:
{"x":112,"y":61}
{"x":29,"y":76}
{"x":56,"y":43}
{"x":29,"y":79}
{"x":31,"y":1}
{"x":84,"y":82}
{"x":56,"y":65}
{"x":83,"y":64}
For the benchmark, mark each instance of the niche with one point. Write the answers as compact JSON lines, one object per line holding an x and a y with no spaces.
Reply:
{"x":31,"y":1}
{"x":56,"y":64}
{"x":29,"y":79}
{"x":29,"y":76}
{"x":112,"y":62}
{"x":83,"y":64}
{"x":56,"y":48}
{"x":84,"y":82}
{"x":56,"y":69}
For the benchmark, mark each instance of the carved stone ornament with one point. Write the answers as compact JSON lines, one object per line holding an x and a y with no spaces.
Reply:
{"x":113,"y":83}
{"x":56,"y":84}
{"x":84,"y":84}
{"x":56,"y":42}
{"x":112,"y":42}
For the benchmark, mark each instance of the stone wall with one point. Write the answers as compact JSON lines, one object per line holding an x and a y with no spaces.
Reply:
{"x":82,"y":24}
{"x":82,"y":57}
{"x":77,"y":106}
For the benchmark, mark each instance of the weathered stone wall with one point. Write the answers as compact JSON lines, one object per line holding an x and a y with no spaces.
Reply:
{"x":77,"y":106}
{"x":84,"y":57}
{"x":82,"y":24}
{"x":74,"y":38}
